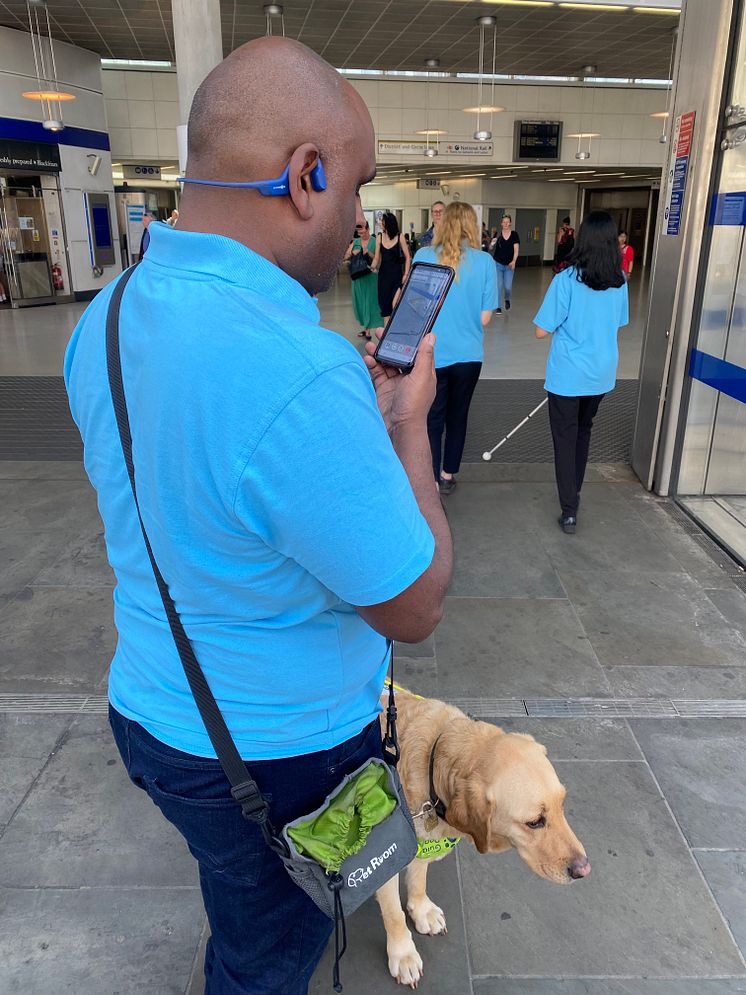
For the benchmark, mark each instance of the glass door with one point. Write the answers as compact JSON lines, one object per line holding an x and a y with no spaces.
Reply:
{"x":24,"y":241}
{"x":712,"y":475}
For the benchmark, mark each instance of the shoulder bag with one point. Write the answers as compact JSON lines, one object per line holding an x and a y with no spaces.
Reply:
{"x":337,"y":870}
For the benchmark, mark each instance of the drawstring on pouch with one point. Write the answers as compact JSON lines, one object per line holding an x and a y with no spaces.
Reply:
{"x":336,"y":883}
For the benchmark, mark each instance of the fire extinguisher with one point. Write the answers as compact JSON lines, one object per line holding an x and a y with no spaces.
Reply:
{"x":57,"y":282}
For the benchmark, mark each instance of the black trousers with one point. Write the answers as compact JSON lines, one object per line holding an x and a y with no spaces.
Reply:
{"x":450,"y":413}
{"x":571,"y":419}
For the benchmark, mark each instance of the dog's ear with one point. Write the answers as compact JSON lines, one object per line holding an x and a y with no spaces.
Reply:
{"x":470,"y":811}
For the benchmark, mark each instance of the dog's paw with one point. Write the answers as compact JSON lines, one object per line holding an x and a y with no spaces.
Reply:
{"x":427,"y":917}
{"x":405,"y":964}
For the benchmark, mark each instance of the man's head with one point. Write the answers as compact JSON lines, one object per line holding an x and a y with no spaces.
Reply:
{"x":437,"y":212}
{"x":273,"y":103}
{"x":148,"y":217}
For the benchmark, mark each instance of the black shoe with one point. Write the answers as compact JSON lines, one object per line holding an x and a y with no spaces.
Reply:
{"x":447,"y":486}
{"x":568,"y":523}
{"x":498,"y":310}
{"x":507,"y":305}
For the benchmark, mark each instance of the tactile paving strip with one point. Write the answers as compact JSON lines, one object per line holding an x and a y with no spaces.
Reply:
{"x":499,"y":405}
{"x":35,"y":420}
{"x":477,"y":708}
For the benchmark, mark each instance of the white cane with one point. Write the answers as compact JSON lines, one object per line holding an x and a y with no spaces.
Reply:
{"x":488,"y":455}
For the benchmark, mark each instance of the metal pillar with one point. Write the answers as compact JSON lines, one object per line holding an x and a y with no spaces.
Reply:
{"x":699,"y":80}
{"x":199,"y":48}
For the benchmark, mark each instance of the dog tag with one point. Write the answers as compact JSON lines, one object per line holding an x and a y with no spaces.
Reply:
{"x":430,"y":818}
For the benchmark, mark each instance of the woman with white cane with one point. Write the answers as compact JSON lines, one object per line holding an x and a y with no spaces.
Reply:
{"x":584,"y":308}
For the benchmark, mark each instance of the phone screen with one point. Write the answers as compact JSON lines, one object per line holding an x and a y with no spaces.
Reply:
{"x":415,"y":313}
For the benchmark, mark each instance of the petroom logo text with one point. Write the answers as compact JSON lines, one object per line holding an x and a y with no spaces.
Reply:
{"x":359,"y":875}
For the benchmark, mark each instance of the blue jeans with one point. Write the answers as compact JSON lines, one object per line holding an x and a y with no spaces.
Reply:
{"x":267,"y":935}
{"x":504,"y":282}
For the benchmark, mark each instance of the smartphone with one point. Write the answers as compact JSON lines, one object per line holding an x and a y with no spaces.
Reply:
{"x":414,"y":315}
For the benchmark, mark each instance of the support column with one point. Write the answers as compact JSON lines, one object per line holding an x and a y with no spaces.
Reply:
{"x":199,"y":48}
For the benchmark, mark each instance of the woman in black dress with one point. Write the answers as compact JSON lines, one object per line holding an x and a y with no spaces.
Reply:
{"x":392,"y":261}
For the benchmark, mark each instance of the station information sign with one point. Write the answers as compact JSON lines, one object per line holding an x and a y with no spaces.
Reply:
{"x":537,"y":140}
{"x":678,"y":169}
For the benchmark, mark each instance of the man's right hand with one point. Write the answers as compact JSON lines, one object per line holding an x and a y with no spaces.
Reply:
{"x":404,"y":399}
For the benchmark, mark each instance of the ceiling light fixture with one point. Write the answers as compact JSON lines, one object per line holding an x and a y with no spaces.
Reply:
{"x":660,"y":114}
{"x":588,"y":71}
{"x":272,"y":11}
{"x":430,"y":150}
{"x":485,"y":109}
{"x":521,"y":3}
{"x":47,"y":95}
{"x":48,"y":91}
{"x":657,"y":10}
{"x":487,"y":21}
{"x":432,"y":63}
{"x":612,"y":7}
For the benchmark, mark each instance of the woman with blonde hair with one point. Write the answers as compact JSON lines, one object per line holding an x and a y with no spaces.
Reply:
{"x":459,"y":347}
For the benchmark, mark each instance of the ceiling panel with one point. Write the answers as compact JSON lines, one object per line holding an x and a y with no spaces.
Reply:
{"x":385,"y":34}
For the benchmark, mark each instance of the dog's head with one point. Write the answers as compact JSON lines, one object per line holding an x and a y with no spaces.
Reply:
{"x":505,"y":793}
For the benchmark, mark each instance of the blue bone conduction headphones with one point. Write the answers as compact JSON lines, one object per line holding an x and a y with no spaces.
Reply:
{"x":267,"y":188}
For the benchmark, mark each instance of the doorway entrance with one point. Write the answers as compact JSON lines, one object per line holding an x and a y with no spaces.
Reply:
{"x":33,"y":259}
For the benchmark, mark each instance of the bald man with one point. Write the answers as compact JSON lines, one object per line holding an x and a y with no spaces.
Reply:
{"x":257,"y":438}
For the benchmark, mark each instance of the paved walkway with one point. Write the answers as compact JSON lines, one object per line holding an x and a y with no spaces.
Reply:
{"x":98,"y":896}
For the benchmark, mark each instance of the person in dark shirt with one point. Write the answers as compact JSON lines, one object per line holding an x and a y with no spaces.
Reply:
{"x":436,"y":212}
{"x":505,"y":255}
{"x":145,"y":240}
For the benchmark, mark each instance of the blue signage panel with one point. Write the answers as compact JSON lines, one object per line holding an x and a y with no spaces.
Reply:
{"x":729,"y":209}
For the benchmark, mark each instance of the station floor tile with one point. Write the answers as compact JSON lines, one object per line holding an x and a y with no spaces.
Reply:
{"x":488,"y":647}
{"x":699,"y":766}
{"x":85,"y":825}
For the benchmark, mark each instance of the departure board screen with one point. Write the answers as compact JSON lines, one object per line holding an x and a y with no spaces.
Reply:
{"x":537,"y":140}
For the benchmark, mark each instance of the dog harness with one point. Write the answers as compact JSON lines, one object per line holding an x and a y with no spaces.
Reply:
{"x":431,"y":849}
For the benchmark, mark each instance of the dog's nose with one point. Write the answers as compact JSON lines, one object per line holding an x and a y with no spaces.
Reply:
{"x":579,"y":868}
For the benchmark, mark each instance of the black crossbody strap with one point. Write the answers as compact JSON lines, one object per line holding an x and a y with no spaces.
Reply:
{"x":243,"y":787}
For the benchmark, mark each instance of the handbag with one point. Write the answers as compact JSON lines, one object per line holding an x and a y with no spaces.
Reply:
{"x":363,"y":834}
{"x":359,"y":265}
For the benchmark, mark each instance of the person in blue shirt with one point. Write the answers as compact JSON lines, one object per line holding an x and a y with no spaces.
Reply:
{"x":257,"y":436}
{"x":459,"y":333}
{"x":583,"y":310}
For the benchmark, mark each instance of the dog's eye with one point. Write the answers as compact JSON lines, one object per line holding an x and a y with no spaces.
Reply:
{"x":538,"y":823}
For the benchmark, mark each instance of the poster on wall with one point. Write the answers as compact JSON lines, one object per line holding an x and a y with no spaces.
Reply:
{"x":678,"y":169}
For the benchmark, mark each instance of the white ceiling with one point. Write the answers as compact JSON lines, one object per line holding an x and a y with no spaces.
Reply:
{"x":389,"y":34}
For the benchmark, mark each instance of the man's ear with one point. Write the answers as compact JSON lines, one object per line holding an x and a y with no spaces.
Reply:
{"x":302,"y":162}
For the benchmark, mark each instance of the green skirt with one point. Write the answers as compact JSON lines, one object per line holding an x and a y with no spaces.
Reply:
{"x":365,"y":301}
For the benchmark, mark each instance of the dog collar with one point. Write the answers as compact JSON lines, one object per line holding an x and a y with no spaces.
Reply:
{"x":436,"y":803}
{"x":430,"y":849}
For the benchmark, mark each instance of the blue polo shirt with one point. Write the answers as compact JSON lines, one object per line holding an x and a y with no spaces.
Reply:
{"x":271,"y":495}
{"x":584,"y":355}
{"x":459,"y":333}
